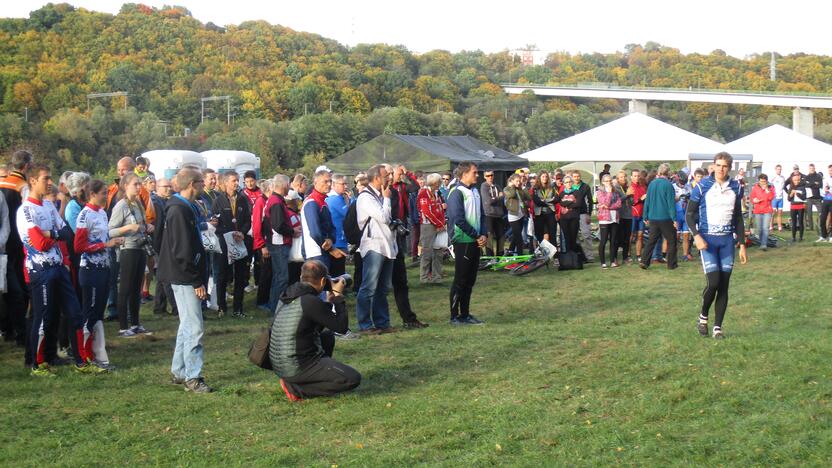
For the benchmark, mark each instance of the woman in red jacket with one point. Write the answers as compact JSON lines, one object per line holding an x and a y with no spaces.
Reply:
{"x":432,"y":224}
{"x":761,"y":196}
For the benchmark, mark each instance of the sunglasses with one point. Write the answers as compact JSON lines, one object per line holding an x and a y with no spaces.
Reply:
{"x":489,"y":175}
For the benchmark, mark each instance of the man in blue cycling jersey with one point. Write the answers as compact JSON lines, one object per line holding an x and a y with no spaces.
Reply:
{"x":714,"y":216}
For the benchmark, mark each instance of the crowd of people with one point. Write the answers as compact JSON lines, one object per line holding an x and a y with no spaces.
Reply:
{"x":83,"y":251}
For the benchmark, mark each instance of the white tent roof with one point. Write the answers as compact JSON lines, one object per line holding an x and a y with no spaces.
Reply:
{"x":779,"y":145}
{"x":635,"y":137}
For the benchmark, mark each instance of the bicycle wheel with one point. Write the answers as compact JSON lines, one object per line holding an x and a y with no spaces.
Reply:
{"x":530,"y":266}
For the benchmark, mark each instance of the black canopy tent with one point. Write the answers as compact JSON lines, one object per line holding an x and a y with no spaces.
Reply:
{"x":427,"y":154}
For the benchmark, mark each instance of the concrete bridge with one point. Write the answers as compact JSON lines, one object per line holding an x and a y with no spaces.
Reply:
{"x":802,"y":115}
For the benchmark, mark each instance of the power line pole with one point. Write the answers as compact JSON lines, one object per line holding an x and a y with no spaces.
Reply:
{"x":216,"y":98}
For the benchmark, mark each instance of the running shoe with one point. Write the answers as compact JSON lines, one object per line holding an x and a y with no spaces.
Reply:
{"x":43,"y":370}
{"x":455,"y":321}
{"x":470,"y":320}
{"x":88,"y":368}
{"x":604,"y":266}
{"x":348,"y":336}
{"x":822,"y":239}
{"x":718,"y":333}
{"x":140,"y":330}
{"x":197,"y":385}
{"x":104,"y":365}
{"x":250,"y":288}
{"x":240,"y":314}
{"x":702,"y":327}
{"x":614,"y":265}
{"x":126,"y":333}
{"x":291,"y":396}
{"x":415,"y":324}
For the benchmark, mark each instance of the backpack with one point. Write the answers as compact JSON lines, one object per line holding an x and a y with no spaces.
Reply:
{"x":352,"y":232}
{"x":569,"y":261}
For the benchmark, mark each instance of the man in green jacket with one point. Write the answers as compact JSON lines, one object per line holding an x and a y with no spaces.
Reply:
{"x":660,"y":215}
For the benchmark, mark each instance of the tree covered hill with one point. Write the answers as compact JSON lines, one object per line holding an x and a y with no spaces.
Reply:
{"x":299,"y":98}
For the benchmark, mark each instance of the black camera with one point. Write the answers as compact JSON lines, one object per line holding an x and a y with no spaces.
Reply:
{"x":399,"y":228}
{"x":346,"y":278}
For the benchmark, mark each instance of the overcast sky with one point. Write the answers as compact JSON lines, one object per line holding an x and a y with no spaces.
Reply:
{"x":739,"y":27}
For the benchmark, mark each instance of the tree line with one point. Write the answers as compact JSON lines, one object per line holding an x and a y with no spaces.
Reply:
{"x":298,"y":98}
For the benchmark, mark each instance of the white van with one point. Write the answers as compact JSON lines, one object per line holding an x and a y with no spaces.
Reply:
{"x":224,"y":161}
{"x":165,"y":163}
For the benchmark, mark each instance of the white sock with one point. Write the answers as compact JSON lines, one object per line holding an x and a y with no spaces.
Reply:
{"x":98,"y":343}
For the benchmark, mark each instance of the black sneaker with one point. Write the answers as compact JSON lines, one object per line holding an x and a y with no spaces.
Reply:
{"x":240,"y":314}
{"x":455,"y":321}
{"x":197,"y":385}
{"x":702,"y":327}
{"x":471,"y":320}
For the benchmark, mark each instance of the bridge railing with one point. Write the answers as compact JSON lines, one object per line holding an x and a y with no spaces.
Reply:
{"x":616,"y":87}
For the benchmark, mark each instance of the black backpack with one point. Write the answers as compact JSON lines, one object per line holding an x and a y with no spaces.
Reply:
{"x":352,"y":232}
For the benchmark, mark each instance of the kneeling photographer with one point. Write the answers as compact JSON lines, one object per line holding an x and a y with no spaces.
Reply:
{"x":299,"y":349}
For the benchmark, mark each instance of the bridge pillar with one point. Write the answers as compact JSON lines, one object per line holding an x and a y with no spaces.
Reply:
{"x":803,"y":121}
{"x":638,"y":106}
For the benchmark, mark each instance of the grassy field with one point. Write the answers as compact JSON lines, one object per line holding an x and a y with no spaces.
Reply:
{"x":572,"y":368}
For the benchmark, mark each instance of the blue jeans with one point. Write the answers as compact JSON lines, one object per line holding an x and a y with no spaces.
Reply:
{"x":279,"y":256}
{"x":371,"y":307}
{"x":719,"y":256}
{"x":762,"y":221}
{"x":187,"y":354}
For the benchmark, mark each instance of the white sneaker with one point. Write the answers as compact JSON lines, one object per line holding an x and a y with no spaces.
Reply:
{"x":823,"y":239}
{"x":126,"y":333}
{"x":250,"y":288}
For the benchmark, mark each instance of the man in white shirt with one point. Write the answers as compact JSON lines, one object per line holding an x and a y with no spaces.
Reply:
{"x":378,"y":249}
{"x":778,"y":181}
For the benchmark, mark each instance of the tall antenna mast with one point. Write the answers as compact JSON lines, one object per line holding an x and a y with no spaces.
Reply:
{"x":773,"y":68}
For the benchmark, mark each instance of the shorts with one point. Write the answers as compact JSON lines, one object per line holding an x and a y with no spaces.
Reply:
{"x":719,"y":256}
{"x":777,"y":203}
{"x":638,"y":224}
{"x":681,"y":223}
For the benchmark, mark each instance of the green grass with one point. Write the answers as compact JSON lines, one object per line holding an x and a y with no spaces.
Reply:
{"x":572,"y":368}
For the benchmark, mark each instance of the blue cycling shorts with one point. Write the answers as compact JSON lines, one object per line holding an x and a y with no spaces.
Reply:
{"x":719,"y":256}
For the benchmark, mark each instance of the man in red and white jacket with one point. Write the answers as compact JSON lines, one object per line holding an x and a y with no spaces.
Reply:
{"x":432,"y":216}
{"x":259,"y":222}
{"x":280,"y":237}
{"x":40,"y":226}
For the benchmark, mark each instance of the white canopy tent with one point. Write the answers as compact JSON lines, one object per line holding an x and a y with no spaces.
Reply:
{"x":634,"y":137}
{"x":779,"y":145}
